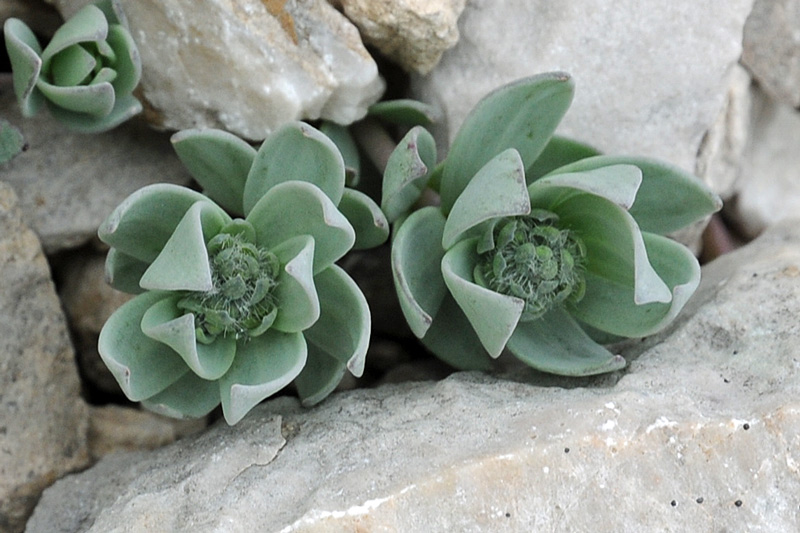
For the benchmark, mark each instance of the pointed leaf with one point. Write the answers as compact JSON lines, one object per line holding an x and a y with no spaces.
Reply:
{"x":668,"y":199}
{"x":23,"y":52}
{"x":321,"y":375}
{"x":123,"y":272}
{"x":262,"y":367}
{"x":521,"y":115}
{"x":404,"y":112}
{"x":143,"y":223}
{"x":128,"y":64}
{"x":125,"y":107}
{"x":617,"y":183}
{"x":610,"y":307}
{"x":367,"y":219}
{"x":219,"y":161}
{"x":497,"y":190}
{"x":452,"y":339}
{"x":407,"y":172}
{"x":493,"y":315}
{"x":295,"y":152}
{"x":189,"y":397}
{"x":559,"y":151}
{"x":165,"y":322}
{"x":556,"y":344}
{"x":94,"y":100}
{"x":343,"y":328}
{"x":86,"y":26}
{"x":299,"y":208}
{"x":142,"y":367}
{"x":183,"y":264}
{"x":296,"y":294}
{"x":416,"y":267}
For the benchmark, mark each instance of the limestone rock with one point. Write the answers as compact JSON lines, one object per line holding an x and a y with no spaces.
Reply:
{"x":68,"y":183}
{"x":769,"y":188}
{"x":772,"y":48}
{"x":413,"y":33}
{"x":700,"y":433}
{"x":248,"y":66}
{"x":43,"y":421}
{"x":651,"y":77}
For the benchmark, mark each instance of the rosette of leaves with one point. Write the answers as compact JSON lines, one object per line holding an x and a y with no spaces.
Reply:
{"x":85,"y":75}
{"x":232,"y":309}
{"x":540,"y":246}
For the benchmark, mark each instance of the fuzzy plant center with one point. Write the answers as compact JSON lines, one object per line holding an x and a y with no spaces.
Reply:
{"x":531,"y":258}
{"x":241,"y":302}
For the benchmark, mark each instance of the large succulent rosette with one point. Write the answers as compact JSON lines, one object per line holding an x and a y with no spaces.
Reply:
{"x":85,"y":75}
{"x":539,"y":246}
{"x":231,"y":310}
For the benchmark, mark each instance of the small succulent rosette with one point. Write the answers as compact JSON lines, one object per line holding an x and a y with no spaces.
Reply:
{"x":231,"y":310}
{"x":85,"y":75}
{"x":540,"y":246}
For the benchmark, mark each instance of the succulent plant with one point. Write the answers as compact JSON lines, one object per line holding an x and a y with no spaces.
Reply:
{"x":86,"y":73}
{"x":231,"y":310}
{"x":540,"y":246}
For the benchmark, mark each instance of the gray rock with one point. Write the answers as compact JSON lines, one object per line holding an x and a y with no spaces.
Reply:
{"x":68,"y":183}
{"x":769,"y":187}
{"x":772,"y":48}
{"x":651,"y":77}
{"x":700,"y":433}
{"x":43,"y":421}
{"x":248,"y":66}
{"x":413,"y":33}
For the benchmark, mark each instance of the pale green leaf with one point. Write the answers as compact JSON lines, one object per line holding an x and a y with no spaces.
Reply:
{"x":296,"y":295}
{"x":405,"y":112}
{"x":559,"y":151}
{"x":128,"y":63}
{"x":26,"y":65}
{"x":321,"y":375}
{"x":125,"y":107}
{"x":123,"y":272}
{"x":94,"y":100}
{"x":452,"y":339}
{"x":87,"y":25}
{"x":407,"y":172}
{"x":189,"y":397}
{"x":367,"y":219}
{"x":617,"y":183}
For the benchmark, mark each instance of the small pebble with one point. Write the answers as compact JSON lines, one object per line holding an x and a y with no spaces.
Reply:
{"x":738,"y":503}
{"x":566,"y":450}
{"x":673,"y":503}
{"x":699,"y":500}
{"x":746,"y":426}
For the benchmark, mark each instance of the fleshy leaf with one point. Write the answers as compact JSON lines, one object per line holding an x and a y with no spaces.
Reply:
{"x":300,"y":208}
{"x":296,"y":152}
{"x":72,"y":66}
{"x":521,"y":115}
{"x":405,"y":112}
{"x":343,"y":328}
{"x":321,"y":375}
{"x":11,"y":141}
{"x":219,"y":161}
{"x":559,"y":151}
{"x":615,"y":250}
{"x":183,"y":263}
{"x":367,"y":219}
{"x":407,"y":172}
{"x":189,"y":397}
{"x":416,"y":267}
{"x":497,"y":190}
{"x":493,"y":315}
{"x":165,"y":322}
{"x":556,"y":344}
{"x":347,"y":146}
{"x":142,"y":367}
{"x":23,"y":52}
{"x":95,"y":100}
{"x":128,"y":64}
{"x":610,"y":307}
{"x":668,"y":199}
{"x":452,"y":339}
{"x":125,"y":107}
{"x":262,"y":367}
{"x":296,"y":294}
{"x":617,"y":183}
{"x":143,"y":223}
{"x":123,"y":272}
{"x":89,"y":24}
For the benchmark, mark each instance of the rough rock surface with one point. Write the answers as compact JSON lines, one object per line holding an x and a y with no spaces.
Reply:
{"x":414,"y":33}
{"x":700,"y":433}
{"x":651,"y":78}
{"x":248,"y":66}
{"x":769,"y":187}
{"x":43,"y":421}
{"x":772,"y":48}
{"x":68,"y":183}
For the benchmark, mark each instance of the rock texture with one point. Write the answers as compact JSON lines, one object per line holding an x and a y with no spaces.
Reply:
{"x":43,"y":421}
{"x":700,"y":433}
{"x":248,"y":66}
{"x":651,"y":79}
{"x":413,"y":33}
{"x":68,"y":183}
{"x":772,"y":48}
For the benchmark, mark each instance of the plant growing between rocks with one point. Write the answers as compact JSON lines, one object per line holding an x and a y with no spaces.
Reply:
{"x":85,"y":75}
